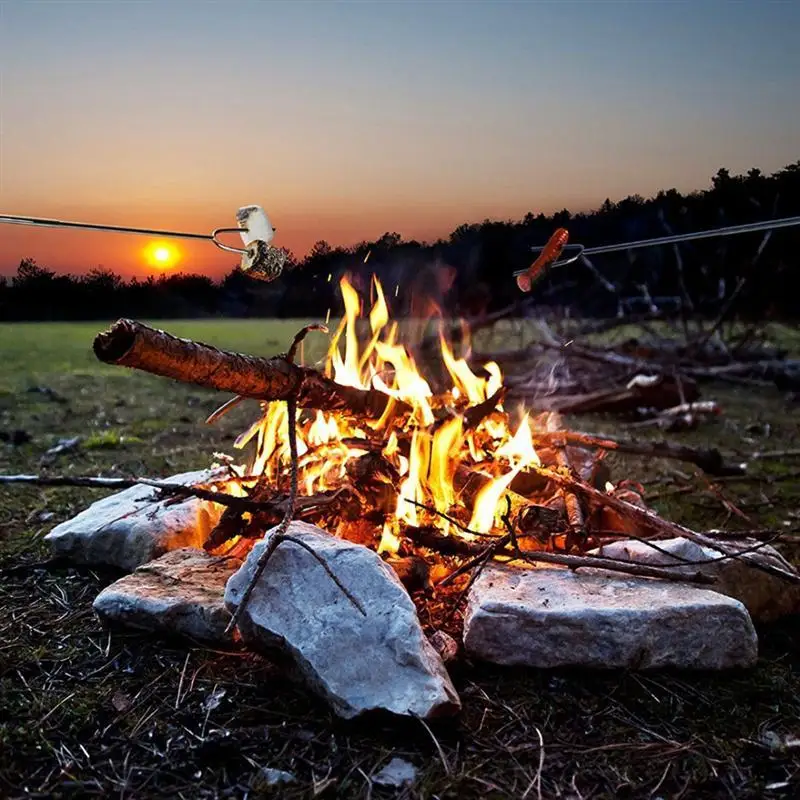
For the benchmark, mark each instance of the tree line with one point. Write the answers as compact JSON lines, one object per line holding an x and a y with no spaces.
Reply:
{"x":470,"y":271}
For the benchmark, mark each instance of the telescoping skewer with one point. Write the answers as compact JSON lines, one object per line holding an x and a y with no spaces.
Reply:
{"x":259,"y":259}
{"x":570,"y":253}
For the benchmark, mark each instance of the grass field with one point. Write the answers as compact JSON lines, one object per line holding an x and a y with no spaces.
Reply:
{"x":85,"y":713}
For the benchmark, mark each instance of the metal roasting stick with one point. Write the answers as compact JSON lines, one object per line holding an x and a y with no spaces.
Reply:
{"x":13,"y":219}
{"x":579,"y":250}
{"x":258,"y":258}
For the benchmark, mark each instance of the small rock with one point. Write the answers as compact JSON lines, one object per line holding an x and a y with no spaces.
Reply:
{"x":214,"y":699}
{"x":445,"y":645}
{"x":766,"y":597}
{"x":61,"y":447}
{"x":275,"y":777}
{"x":121,"y":701}
{"x":557,"y":618}
{"x":381,"y":661}
{"x":396,"y":774}
{"x":132,"y":527}
{"x":179,"y":593}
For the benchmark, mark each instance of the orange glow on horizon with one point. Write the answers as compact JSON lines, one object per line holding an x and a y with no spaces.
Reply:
{"x":161,"y":255}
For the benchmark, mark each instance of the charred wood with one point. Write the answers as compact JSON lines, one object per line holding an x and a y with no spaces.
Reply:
{"x":133,"y":344}
{"x":474,"y":415}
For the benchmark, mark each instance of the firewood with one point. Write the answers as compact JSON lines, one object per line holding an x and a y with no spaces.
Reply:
{"x":133,"y":344}
{"x":572,"y":505}
{"x":543,"y":521}
{"x":650,"y":523}
{"x":166,"y":488}
{"x":483,"y":553}
{"x":623,"y":399}
{"x":709,"y":459}
{"x":474,"y":415}
{"x":432,"y":538}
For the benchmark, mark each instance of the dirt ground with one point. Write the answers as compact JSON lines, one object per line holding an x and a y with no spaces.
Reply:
{"x":88,"y":713}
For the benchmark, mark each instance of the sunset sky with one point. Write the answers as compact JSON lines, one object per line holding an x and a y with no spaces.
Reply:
{"x":348,"y":119}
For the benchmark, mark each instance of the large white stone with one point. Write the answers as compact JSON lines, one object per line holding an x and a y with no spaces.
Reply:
{"x":381,"y":661}
{"x":766,"y":597}
{"x":182,"y":592}
{"x":557,"y":618}
{"x":132,"y":527}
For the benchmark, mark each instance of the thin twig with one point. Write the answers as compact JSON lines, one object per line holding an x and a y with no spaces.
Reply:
{"x":442,"y":756}
{"x":657,"y":524}
{"x":324,"y":564}
{"x":278,"y":535}
{"x":603,"y":562}
{"x":452,"y":520}
{"x":537,"y":779}
{"x":577,"y":524}
{"x":89,"y":482}
{"x":487,"y":553}
{"x":224,"y":409}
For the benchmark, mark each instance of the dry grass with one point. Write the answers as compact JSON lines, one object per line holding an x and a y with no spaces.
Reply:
{"x":86,"y":713}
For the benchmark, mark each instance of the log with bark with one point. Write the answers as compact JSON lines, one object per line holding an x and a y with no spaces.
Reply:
{"x":133,"y":344}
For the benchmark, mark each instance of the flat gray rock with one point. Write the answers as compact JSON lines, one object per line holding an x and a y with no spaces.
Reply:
{"x":182,"y":592}
{"x":766,"y":597}
{"x":381,"y":661}
{"x":558,"y":618}
{"x":132,"y":527}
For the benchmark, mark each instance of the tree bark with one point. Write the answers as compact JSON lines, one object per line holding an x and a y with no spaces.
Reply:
{"x":133,"y":344}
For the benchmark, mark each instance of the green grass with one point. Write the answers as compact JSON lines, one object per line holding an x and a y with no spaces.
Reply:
{"x":35,"y":352}
{"x":88,"y":714}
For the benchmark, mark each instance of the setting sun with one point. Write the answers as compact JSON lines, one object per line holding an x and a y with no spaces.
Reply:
{"x":161,"y":255}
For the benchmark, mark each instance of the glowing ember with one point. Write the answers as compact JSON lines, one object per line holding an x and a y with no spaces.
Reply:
{"x":427,"y":450}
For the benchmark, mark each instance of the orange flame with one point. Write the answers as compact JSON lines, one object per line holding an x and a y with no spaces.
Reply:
{"x":437,"y":442}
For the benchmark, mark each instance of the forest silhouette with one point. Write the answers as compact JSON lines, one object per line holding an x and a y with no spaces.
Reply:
{"x":470,"y":272}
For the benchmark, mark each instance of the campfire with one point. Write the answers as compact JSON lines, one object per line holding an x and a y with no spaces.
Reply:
{"x":410,"y":509}
{"x":432,"y":469}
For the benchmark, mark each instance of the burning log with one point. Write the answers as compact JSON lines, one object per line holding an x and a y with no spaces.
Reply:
{"x":476,"y":414}
{"x":433,"y":539}
{"x":413,"y":571}
{"x":133,"y":344}
{"x":376,"y":479}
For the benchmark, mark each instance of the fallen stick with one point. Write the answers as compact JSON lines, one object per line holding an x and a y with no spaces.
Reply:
{"x":767,"y":454}
{"x":741,"y":368}
{"x":709,"y":459}
{"x":132,"y":344}
{"x":176,"y":489}
{"x":87,"y":482}
{"x":652,"y":522}
{"x":615,"y":565}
